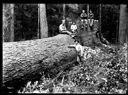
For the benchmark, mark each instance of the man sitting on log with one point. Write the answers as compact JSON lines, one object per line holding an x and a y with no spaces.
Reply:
{"x":63,"y":29}
{"x":73,"y":29}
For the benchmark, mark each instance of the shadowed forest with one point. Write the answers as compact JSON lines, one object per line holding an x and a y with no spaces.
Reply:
{"x":65,"y":48}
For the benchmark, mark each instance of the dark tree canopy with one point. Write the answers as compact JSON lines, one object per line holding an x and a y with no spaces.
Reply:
{"x":26,"y":19}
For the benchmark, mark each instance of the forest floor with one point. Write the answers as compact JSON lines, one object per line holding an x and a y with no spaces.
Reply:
{"x":104,"y":72}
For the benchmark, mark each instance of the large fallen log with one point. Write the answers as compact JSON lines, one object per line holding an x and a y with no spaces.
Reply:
{"x":26,"y":59}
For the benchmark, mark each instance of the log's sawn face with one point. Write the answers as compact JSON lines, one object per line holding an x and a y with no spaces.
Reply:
{"x":24,"y":58}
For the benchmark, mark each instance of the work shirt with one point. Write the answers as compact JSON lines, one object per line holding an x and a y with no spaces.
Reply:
{"x":83,"y":15}
{"x":91,"y":15}
{"x":73,"y":27}
{"x":62,"y":27}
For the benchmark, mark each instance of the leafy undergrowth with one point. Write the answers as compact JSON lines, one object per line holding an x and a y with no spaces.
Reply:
{"x":103,"y":72}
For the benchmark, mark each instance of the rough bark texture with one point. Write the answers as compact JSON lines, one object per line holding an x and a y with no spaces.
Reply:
{"x":7,"y":20}
{"x":26,"y":59}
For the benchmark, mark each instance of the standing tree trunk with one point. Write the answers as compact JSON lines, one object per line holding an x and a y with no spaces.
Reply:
{"x":117,"y":27}
{"x":100,"y":7}
{"x":6,"y":22}
{"x":43,"y":21}
{"x":63,"y":11}
{"x":38,"y":34}
{"x":88,"y":28}
{"x":3,"y":23}
{"x":123,"y":23}
{"x":12,"y":23}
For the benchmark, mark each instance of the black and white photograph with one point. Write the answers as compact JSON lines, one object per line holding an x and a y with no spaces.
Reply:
{"x":75,"y":48}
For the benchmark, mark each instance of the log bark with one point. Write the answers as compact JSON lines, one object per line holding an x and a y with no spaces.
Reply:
{"x":26,"y":59}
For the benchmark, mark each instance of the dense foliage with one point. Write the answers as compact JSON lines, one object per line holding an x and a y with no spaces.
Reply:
{"x":26,"y":19}
{"x":109,"y":18}
{"x":54,"y":15}
{"x":110,"y":22}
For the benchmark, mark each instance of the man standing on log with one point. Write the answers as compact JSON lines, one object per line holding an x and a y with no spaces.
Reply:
{"x":83,"y":17}
{"x":91,"y":20}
